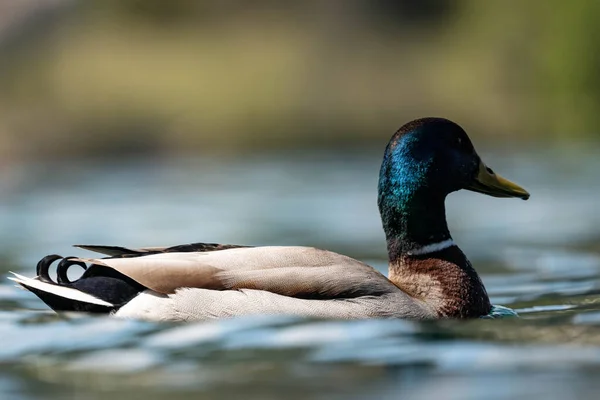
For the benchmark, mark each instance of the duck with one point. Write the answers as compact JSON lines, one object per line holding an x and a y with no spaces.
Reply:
{"x":429,"y":276}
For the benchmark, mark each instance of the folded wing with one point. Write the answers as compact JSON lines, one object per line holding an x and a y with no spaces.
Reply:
{"x":300,"y":272}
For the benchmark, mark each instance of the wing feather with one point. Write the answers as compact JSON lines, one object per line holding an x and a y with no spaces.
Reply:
{"x":119,"y":251}
{"x":291,"y":271}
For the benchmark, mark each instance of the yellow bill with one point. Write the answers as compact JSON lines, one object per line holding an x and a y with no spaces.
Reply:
{"x":492,"y":184}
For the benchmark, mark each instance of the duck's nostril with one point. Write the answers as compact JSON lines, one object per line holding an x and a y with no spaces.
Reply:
{"x":489,"y":170}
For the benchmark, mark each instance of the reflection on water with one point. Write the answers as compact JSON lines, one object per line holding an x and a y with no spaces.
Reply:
{"x":538,"y":257}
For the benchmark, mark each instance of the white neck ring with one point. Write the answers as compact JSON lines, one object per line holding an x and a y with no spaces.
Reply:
{"x":431,"y":248}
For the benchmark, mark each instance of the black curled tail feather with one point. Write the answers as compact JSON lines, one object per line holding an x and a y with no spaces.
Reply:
{"x":62,"y":278}
{"x":64,"y":265}
{"x":43,"y":268}
{"x":99,"y":281}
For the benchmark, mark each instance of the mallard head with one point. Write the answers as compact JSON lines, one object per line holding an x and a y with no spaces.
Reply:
{"x":426,"y":160}
{"x":436,"y":155}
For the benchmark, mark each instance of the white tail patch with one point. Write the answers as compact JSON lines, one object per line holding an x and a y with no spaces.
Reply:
{"x":431,"y":248}
{"x":62,"y":291}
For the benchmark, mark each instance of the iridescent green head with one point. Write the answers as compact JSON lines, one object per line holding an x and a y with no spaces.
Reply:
{"x":426,"y":160}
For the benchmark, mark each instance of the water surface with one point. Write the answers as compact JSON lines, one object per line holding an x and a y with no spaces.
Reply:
{"x":539,"y":257}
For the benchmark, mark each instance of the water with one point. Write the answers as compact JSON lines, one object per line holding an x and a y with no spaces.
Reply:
{"x":539,"y":257}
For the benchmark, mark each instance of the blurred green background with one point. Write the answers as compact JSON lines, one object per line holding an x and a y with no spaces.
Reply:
{"x":162,"y":122}
{"x":102,"y":79}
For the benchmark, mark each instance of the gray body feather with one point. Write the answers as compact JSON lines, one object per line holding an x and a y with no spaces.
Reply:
{"x":261,"y":280}
{"x":198,"y":304}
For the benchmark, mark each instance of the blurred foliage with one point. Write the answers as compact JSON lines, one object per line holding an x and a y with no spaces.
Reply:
{"x":118,"y":77}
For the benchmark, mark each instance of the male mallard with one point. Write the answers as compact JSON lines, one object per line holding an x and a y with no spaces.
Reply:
{"x":429,"y":276}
